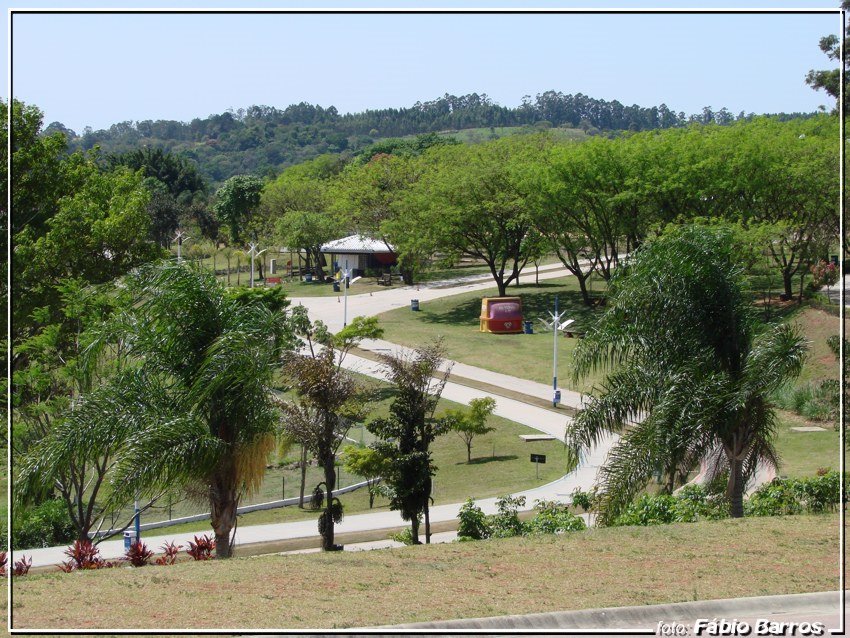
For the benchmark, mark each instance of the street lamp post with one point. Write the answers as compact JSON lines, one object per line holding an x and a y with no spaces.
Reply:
{"x":254,"y":254}
{"x":180,"y":236}
{"x":556,"y":328}
{"x":345,"y":274}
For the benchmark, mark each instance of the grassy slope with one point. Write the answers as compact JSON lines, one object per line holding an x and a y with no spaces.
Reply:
{"x":598,"y":568}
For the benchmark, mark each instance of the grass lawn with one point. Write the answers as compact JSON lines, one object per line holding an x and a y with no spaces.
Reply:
{"x":455,"y":319}
{"x":597,"y":568}
{"x":803,"y":453}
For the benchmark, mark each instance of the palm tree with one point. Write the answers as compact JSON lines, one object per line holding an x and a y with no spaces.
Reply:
{"x":195,"y":407}
{"x":689,"y":376}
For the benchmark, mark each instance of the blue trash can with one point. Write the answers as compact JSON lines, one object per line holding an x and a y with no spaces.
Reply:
{"x":336,"y":286}
{"x":414,"y":305}
{"x":129,"y":538}
{"x":527,"y":327}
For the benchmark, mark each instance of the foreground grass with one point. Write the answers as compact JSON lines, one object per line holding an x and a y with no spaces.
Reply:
{"x":597,"y":568}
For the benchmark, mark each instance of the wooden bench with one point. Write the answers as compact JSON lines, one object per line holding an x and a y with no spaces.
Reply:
{"x":385,"y":280}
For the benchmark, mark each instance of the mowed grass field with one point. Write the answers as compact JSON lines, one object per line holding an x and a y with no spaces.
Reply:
{"x":455,"y":319}
{"x":597,"y":568}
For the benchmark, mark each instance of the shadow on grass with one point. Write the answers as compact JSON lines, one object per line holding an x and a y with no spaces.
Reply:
{"x":479,"y":460}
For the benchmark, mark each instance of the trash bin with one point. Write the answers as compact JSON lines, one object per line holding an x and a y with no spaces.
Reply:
{"x":557,"y":398}
{"x":414,"y":305}
{"x":527,"y":327}
{"x":336,"y":286}
{"x":129,"y":538}
{"x":308,"y":277}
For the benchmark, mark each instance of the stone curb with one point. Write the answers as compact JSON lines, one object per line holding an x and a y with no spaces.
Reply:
{"x":643,"y":617}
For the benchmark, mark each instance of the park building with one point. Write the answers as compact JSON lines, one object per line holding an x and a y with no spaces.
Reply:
{"x":364,"y":255}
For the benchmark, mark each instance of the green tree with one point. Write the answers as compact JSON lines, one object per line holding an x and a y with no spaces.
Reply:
{"x":196,"y":411}
{"x":329,"y":401}
{"x":830,"y":80}
{"x":297,"y":204}
{"x":235,"y":203}
{"x":692,"y":376}
{"x":36,"y":165}
{"x":478,"y":206}
{"x":373,"y":197}
{"x":366,"y":462}
{"x":471,"y":422}
{"x":99,"y":231}
{"x":406,"y":435}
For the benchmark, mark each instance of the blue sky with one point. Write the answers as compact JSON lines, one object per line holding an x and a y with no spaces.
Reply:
{"x":95,"y":70}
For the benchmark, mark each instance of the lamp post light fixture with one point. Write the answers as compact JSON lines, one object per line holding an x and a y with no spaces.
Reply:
{"x":252,"y":251}
{"x":557,"y":326}
{"x":180,"y":236}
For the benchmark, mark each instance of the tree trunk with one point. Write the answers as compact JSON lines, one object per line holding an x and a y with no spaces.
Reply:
{"x":469,"y":451}
{"x":224,"y":500}
{"x":582,"y":286}
{"x":802,"y":276}
{"x":502,"y":287}
{"x":414,"y":529}
{"x":427,"y":524}
{"x":406,"y":276}
{"x":330,"y":483}
{"x":787,"y":284}
{"x":303,"y":475}
{"x":735,"y":488}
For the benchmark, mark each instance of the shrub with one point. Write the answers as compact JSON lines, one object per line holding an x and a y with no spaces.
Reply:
{"x":819,"y":493}
{"x":553,"y":518}
{"x":138,"y":555}
{"x":170,"y":550}
{"x":649,"y":510}
{"x":45,"y":525}
{"x":505,"y":522}
{"x":22,"y":566}
{"x":84,"y":555}
{"x":3,"y":562}
{"x":202,"y":548}
{"x":584,"y":500}
{"x":473,"y":523}
{"x":405,"y":537}
{"x":777,"y":498}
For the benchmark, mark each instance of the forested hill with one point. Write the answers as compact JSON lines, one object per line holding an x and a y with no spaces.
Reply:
{"x":263,"y":140}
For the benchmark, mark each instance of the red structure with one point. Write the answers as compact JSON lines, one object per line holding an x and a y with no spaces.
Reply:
{"x":501,"y":315}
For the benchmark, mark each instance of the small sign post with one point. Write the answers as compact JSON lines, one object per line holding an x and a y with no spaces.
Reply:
{"x":537,"y":459}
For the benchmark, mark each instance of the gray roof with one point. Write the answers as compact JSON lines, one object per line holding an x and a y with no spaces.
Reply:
{"x":354,"y":244}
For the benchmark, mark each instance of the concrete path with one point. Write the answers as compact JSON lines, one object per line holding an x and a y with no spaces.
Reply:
{"x":331,"y":309}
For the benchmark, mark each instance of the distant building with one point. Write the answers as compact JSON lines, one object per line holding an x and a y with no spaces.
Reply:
{"x":362,"y":253}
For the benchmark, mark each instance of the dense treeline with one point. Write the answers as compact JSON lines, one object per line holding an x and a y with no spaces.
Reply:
{"x":264,"y":139}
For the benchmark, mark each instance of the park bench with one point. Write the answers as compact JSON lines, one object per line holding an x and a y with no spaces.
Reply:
{"x":385,"y":280}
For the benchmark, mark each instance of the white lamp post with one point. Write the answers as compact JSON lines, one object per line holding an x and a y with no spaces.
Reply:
{"x":180,"y":236}
{"x":254,"y":254}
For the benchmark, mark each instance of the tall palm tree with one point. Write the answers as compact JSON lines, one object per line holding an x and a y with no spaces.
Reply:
{"x":689,"y":375}
{"x":195,"y":408}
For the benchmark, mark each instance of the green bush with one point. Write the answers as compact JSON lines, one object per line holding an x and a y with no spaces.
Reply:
{"x":818,"y":402}
{"x":505,"y":523}
{"x":777,"y":498}
{"x":473,"y":523}
{"x":405,"y":536}
{"x":648,"y":510}
{"x":553,"y":518}
{"x":45,"y":525}
{"x":584,"y":500}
